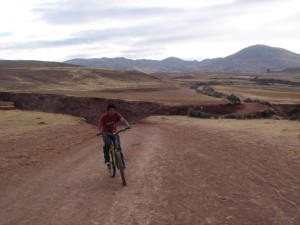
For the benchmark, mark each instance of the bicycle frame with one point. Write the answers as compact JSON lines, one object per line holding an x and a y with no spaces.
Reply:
{"x":112,"y":152}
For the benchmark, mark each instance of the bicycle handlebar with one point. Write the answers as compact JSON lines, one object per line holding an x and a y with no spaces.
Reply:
{"x":110,"y":133}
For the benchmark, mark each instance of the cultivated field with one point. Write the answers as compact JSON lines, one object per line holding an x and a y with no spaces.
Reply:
{"x":86,"y":82}
{"x":167,"y":88}
{"x":280,"y":88}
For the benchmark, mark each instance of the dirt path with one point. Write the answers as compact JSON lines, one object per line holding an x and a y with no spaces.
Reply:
{"x":176,"y":174}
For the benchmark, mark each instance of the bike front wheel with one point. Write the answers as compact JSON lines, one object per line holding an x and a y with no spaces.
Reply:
{"x":121,"y":166}
{"x":112,"y":167}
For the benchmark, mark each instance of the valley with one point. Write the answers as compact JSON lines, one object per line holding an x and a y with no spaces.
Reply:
{"x":180,"y":170}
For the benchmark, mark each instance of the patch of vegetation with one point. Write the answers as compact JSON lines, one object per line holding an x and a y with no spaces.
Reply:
{"x":233,"y":98}
{"x":257,"y":100}
{"x":268,"y":113}
{"x":295,"y":117}
{"x":240,"y":116}
{"x":251,"y":100}
{"x":182,"y":110}
{"x":207,"y":90}
{"x":200,"y":114}
{"x":234,"y":116}
{"x":217,"y":94}
{"x":249,"y":116}
{"x":267,"y":104}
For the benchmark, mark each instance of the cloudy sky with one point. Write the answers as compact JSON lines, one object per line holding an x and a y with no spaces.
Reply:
{"x":58,"y":30}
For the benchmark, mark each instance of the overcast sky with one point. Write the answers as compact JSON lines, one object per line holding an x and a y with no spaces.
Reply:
{"x":58,"y":30}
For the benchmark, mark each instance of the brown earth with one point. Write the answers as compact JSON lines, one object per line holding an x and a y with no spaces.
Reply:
{"x":179,"y":171}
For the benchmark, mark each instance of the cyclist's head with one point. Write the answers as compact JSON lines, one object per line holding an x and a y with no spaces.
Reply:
{"x":111,"y":108}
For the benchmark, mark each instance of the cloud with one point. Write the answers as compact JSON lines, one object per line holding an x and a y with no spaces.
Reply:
{"x":5,"y":34}
{"x":147,"y":28}
{"x":76,"y":12}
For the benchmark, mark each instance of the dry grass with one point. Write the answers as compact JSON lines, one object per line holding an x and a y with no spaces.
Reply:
{"x":30,"y":139}
{"x":16,"y":122}
{"x":282,"y":132}
{"x":71,"y":79}
{"x":280,"y":95}
{"x":175,"y":96}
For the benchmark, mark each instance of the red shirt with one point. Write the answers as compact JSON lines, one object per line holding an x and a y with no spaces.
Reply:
{"x":109,"y":123}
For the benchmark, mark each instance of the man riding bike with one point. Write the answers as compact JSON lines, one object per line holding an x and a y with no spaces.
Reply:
{"x":108,"y":123}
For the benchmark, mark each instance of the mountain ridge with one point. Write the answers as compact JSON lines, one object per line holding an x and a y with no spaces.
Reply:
{"x":255,"y":58}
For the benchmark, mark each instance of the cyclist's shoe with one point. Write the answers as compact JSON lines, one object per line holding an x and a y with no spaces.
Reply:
{"x":107,"y":162}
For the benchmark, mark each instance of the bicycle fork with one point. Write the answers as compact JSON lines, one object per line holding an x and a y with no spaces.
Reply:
{"x":113,"y":154}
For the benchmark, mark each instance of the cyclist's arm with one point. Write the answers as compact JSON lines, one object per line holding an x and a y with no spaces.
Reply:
{"x":101,"y":124}
{"x":100,"y":129}
{"x":125,"y":122}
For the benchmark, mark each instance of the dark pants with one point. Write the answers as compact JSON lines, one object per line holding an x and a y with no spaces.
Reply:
{"x":108,"y":139}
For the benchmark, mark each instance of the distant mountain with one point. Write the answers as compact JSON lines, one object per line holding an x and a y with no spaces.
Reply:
{"x":257,"y":58}
{"x":171,"y":64}
{"x":31,"y":63}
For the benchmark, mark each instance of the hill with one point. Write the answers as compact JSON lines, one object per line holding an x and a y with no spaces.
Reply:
{"x":257,"y":58}
{"x":171,"y":64}
{"x":31,"y":64}
{"x":36,"y":77}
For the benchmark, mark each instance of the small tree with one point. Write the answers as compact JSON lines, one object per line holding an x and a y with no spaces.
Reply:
{"x":234,"y":99}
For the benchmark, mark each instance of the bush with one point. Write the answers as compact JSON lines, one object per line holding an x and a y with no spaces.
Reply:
{"x":234,"y":98}
{"x":182,"y":110}
{"x":251,"y":100}
{"x":234,"y":116}
{"x":249,"y":116}
{"x":208,"y":91}
{"x":268,"y":113}
{"x":295,"y":117}
{"x":200,"y":114}
{"x":218,"y":94}
{"x":267,"y":104}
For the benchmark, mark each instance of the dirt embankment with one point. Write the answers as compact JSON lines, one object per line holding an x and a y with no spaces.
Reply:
{"x":90,"y":108}
{"x":87,"y":108}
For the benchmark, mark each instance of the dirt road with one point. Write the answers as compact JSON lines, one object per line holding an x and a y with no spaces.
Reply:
{"x":177,"y":174}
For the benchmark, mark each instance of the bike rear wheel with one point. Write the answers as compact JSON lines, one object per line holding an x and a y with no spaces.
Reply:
{"x":111,"y":167}
{"x":121,"y":166}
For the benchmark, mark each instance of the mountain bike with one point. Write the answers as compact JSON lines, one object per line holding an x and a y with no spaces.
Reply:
{"x":116,"y":156}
